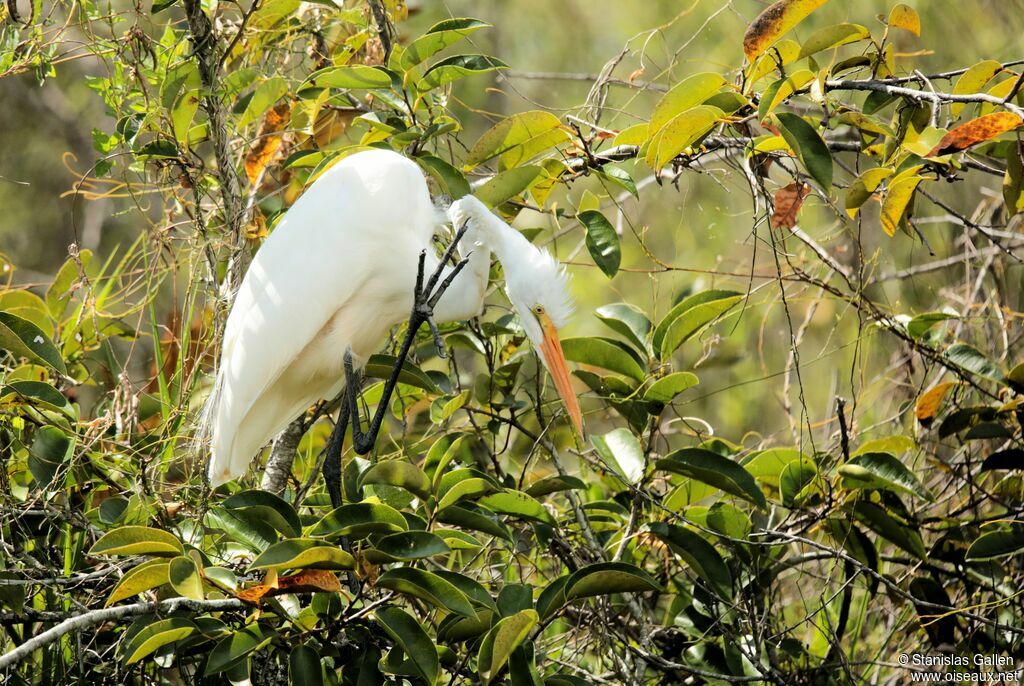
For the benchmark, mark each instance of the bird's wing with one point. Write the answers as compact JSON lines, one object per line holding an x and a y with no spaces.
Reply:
{"x":365,"y":212}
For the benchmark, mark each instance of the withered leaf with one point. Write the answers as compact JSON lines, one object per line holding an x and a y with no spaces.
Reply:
{"x":268,"y":141}
{"x":929,"y":402}
{"x":773,"y":22}
{"x":976,"y":131}
{"x":306,"y":581}
{"x":788,"y":202}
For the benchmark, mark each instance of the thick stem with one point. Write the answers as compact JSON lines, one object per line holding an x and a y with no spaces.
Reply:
{"x":282,"y":454}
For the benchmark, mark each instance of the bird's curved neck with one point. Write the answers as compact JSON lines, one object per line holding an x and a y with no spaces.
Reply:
{"x":504,"y":241}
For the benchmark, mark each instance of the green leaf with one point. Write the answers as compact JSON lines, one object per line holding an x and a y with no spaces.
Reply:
{"x":452,"y":181}
{"x":22,"y":338}
{"x":552,"y":598}
{"x":359,"y":520}
{"x":604,"y":353}
{"x":244,"y":527}
{"x":863,"y":187}
{"x":352,"y":77}
{"x":406,"y":546}
{"x":665,"y":389}
{"x":919,"y":325}
{"x":412,"y":639}
{"x":234,"y":648}
{"x":528,"y":130}
{"x":621,"y":451}
{"x":794,"y":481}
{"x":602,"y":241}
{"x":461,"y":516}
{"x":885,"y":525}
{"x":809,"y":147}
{"x":140,"y":579}
{"x":999,"y":543}
{"x":398,"y":473}
{"x":39,"y":394}
{"x":973,"y":360}
{"x":714,"y":470}
{"x":428,"y":587}
{"x":184,"y":577}
{"x":605,"y":578}
{"x":626,"y":320}
{"x":304,"y":668}
{"x":698,"y":553}
{"x":438,"y":37}
{"x":137,"y":540}
{"x":303,"y":553}
{"x":832,"y":37}
{"x":554,"y":484}
{"x":507,"y":185}
{"x":380,"y":367}
{"x":263,"y":98}
{"x":680,"y":133}
{"x":501,"y":640}
{"x":463,"y":484}
{"x":157,"y":635}
{"x":50,"y":451}
{"x":517,"y":504}
{"x":685,"y":95}
{"x":470,"y":588}
{"x":690,"y":316}
{"x":882,"y":471}
{"x":270,"y":507}
{"x":457,"y":67}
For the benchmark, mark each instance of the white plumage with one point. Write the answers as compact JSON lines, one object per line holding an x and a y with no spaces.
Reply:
{"x":336,"y":274}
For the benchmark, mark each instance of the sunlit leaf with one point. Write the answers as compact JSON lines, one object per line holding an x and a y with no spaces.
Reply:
{"x":976,"y":131}
{"x":500,"y":641}
{"x":137,"y":540}
{"x":777,"y":19}
{"x":714,"y":470}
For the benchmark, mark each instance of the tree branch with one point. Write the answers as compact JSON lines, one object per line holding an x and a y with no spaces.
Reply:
{"x":95,"y":617}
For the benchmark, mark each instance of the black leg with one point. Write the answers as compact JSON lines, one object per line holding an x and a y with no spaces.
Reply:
{"x":332,"y":456}
{"x":425,"y":298}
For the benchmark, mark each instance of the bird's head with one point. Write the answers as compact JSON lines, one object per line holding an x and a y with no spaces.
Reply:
{"x":537,"y":287}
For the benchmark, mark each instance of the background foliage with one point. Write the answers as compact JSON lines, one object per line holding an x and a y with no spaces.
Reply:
{"x":795,"y":239}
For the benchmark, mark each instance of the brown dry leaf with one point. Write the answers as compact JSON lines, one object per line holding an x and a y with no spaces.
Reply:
{"x":367,"y":570}
{"x":773,"y":22}
{"x":929,"y":402}
{"x":256,"y":229}
{"x":634,"y":75}
{"x":306,"y":581}
{"x":976,"y":131}
{"x":268,"y":141}
{"x":309,"y":581}
{"x":253,"y":594}
{"x":788,"y":202}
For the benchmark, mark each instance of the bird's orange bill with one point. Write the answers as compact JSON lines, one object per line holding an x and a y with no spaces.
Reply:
{"x":554,"y":359}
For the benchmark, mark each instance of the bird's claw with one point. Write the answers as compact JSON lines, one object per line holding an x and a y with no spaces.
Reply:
{"x":427,"y":295}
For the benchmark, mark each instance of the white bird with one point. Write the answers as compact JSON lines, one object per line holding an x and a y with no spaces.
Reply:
{"x":336,"y":274}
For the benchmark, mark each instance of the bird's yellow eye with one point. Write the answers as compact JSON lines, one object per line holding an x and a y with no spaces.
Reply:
{"x":538,"y":310}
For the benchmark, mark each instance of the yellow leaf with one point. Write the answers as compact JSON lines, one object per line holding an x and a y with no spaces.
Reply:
{"x":784,"y":52}
{"x":774,"y":22}
{"x":897,"y":198}
{"x":680,"y":133}
{"x":929,"y":402}
{"x":973,"y":80}
{"x":268,"y":141}
{"x":905,"y":17}
{"x":685,"y":95}
{"x":632,"y":135}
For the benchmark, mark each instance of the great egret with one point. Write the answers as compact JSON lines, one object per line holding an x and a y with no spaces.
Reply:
{"x":338,"y":271}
